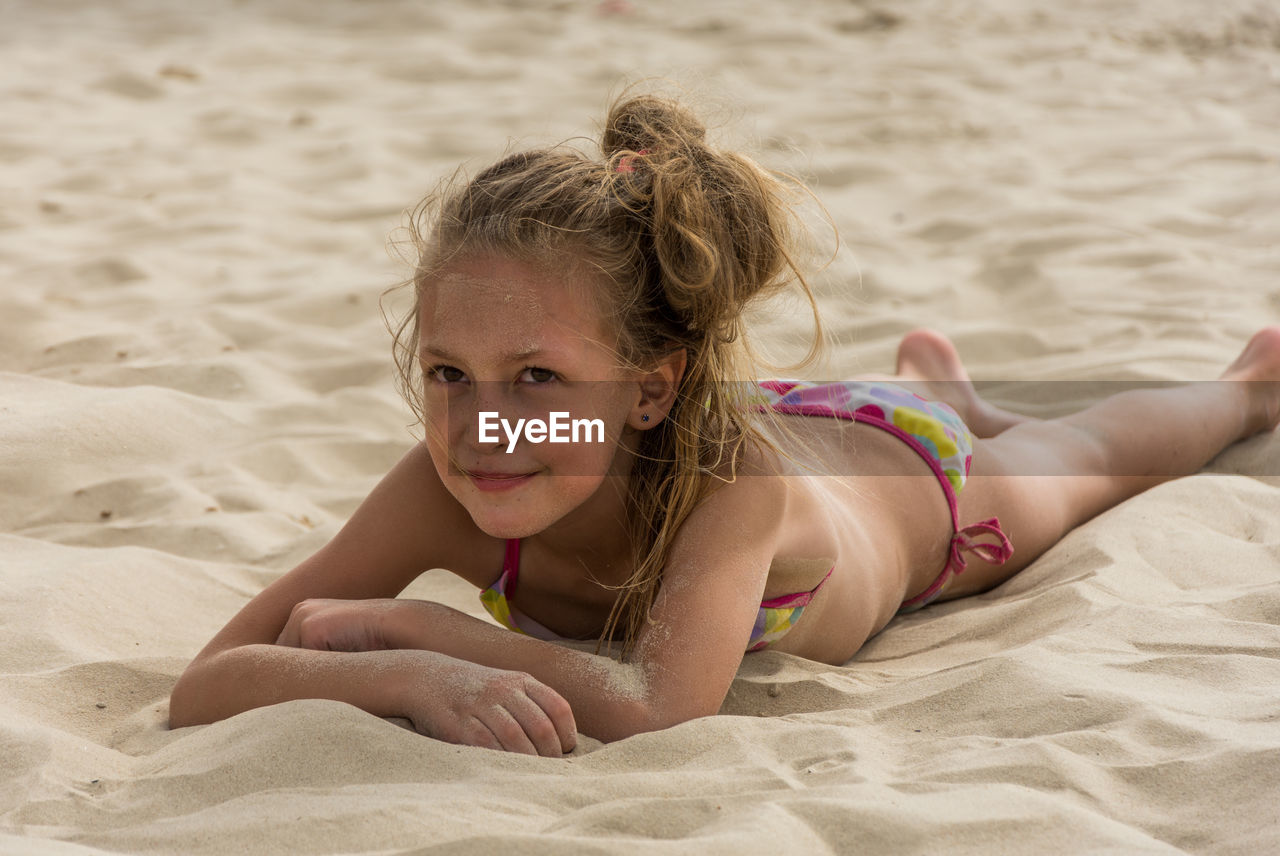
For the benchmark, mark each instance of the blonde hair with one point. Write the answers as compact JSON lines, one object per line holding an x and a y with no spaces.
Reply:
{"x":684,"y":238}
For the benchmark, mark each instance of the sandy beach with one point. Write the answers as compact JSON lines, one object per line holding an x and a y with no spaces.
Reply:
{"x":200,"y":205}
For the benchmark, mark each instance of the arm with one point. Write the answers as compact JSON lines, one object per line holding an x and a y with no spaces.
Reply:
{"x":408,"y":523}
{"x":445,"y":698}
{"x":214,"y":687}
{"x":609,"y":699}
{"x":685,"y":657}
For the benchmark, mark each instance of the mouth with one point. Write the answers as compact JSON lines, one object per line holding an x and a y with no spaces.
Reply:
{"x":487,"y":481}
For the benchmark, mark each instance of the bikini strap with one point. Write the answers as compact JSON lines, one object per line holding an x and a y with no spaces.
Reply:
{"x":511,"y":564}
{"x":995,"y":553}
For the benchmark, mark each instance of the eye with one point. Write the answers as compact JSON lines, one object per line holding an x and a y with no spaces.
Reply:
{"x":445,"y":374}
{"x":537,"y":375}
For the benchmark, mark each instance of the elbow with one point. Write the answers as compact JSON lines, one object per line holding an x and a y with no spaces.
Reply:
{"x":180,"y":713}
{"x":648,"y":700}
{"x":640,"y":717}
{"x":181,"y":705}
{"x":185,"y":705}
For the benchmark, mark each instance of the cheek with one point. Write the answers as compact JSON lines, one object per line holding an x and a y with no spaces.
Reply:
{"x":441,"y":418}
{"x":587,"y":458}
{"x":441,"y":446}
{"x":601,"y":415}
{"x":435,"y":429}
{"x":439,"y":453}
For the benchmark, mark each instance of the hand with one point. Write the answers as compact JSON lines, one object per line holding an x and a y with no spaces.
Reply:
{"x":462,"y":702}
{"x":339,"y":625}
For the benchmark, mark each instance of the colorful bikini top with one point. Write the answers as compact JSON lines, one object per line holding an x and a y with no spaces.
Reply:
{"x":777,"y":615}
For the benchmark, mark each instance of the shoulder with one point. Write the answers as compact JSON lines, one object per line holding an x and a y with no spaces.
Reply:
{"x":409,"y":523}
{"x":739,"y":518}
{"x":414,"y":522}
{"x":754,"y":484}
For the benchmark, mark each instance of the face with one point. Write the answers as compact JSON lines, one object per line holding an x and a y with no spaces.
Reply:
{"x":502,"y":341}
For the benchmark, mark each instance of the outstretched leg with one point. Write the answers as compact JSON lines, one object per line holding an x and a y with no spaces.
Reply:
{"x":929,"y":365}
{"x":1044,"y":478}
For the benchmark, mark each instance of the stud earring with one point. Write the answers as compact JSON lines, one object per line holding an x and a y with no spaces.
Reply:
{"x":644,"y":417}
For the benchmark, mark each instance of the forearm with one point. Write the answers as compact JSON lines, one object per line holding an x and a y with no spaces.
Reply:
{"x":610,"y":700}
{"x":250,"y":676}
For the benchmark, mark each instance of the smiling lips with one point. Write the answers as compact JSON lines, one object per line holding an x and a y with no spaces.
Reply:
{"x":497,"y":481}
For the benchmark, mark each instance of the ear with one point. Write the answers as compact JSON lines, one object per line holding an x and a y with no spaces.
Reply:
{"x":658,"y":391}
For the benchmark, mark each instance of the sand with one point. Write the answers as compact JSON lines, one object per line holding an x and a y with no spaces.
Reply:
{"x":196,"y":390}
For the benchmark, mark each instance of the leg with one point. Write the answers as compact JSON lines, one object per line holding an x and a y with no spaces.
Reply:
{"x":1043,"y":479}
{"x":929,"y":365}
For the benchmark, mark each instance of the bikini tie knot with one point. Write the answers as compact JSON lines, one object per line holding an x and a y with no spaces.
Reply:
{"x":995,"y":553}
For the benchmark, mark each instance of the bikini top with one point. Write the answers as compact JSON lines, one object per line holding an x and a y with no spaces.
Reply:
{"x":777,"y":615}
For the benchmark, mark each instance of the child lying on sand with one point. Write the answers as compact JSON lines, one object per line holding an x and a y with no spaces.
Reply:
{"x":685,"y":521}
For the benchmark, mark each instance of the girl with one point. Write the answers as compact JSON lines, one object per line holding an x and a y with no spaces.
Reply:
{"x":692,"y":519}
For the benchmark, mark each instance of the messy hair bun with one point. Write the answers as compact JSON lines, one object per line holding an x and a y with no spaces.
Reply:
{"x":677,"y":239}
{"x":715,"y":220}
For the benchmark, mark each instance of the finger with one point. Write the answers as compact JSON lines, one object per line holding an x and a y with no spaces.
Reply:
{"x":508,"y":730}
{"x":537,"y":725}
{"x":474,"y":732}
{"x":557,"y":710}
{"x":289,"y":635}
{"x":465,"y":732}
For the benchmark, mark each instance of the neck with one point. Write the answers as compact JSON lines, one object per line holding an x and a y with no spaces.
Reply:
{"x":595,"y":538}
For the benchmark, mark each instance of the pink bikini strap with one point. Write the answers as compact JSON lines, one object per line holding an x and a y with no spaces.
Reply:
{"x":963,"y":539}
{"x":996,"y":554}
{"x":511,"y":564}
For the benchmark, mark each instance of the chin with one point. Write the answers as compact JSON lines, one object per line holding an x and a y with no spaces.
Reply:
{"x":528,"y":509}
{"x":510,"y":523}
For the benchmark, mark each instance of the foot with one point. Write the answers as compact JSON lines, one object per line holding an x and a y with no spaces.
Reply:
{"x":1259,"y":363}
{"x":929,"y":360}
